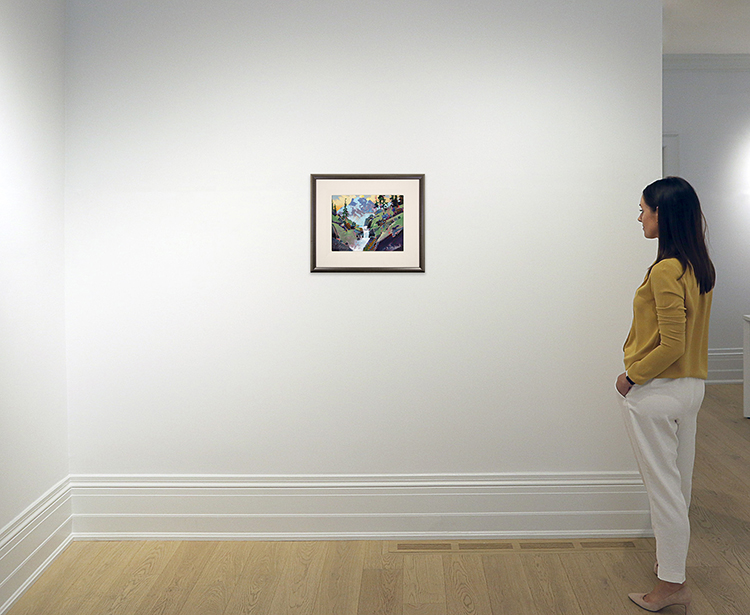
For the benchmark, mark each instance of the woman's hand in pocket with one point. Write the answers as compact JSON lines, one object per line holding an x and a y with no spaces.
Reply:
{"x":622,"y":385}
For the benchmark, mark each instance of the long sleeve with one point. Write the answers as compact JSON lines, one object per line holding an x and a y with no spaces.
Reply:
{"x":668,"y":291}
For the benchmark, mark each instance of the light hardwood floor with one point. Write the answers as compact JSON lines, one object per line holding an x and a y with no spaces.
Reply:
{"x":570,"y":577}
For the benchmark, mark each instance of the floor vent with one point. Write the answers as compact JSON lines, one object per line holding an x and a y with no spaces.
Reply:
{"x":612,"y":545}
{"x":547,"y":546}
{"x":484,"y":546}
{"x":424,"y":546}
{"x":522,"y":546}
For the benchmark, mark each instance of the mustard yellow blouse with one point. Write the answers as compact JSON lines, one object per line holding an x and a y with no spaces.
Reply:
{"x":669,"y":334}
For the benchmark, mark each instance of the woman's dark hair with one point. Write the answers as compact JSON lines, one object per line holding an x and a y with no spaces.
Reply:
{"x":682,"y":228}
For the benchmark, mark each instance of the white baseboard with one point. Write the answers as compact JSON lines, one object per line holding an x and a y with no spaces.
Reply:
{"x":101,"y":507}
{"x":725,"y":366}
{"x":359,"y":507}
{"x":32,"y":541}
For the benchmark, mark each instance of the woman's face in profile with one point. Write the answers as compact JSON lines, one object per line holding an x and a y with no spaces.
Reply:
{"x":649,"y":218}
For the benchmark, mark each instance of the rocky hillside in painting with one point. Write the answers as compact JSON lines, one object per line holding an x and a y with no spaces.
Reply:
{"x":386,"y":230}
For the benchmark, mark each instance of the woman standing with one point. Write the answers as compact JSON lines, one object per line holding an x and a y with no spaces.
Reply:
{"x":666,"y":362}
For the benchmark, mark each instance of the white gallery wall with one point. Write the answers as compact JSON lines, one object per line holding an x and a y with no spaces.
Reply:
{"x":202,"y":352}
{"x":33,"y":431}
{"x":33,"y":422}
{"x":707,"y":118}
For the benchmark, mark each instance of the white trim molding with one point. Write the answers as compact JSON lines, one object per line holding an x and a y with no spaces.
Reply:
{"x":746,"y":366}
{"x":297,"y":507}
{"x":333,"y":507}
{"x":30,"y":542}
{"x":725,"y":366}
{"x":706,"y":61}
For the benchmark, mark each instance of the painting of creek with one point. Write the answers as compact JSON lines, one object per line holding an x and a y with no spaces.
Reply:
{"x":367,"y":222}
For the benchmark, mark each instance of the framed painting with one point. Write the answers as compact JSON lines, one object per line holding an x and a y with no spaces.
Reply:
{"x":367,"y":223}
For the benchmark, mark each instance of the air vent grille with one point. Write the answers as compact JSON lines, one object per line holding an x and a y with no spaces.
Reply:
{"x":521,"y":546}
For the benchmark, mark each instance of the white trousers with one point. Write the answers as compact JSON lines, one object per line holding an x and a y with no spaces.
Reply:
{"x":661,"y":418}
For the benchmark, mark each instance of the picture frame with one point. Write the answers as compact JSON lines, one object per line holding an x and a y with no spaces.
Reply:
{"x":367,"y":223}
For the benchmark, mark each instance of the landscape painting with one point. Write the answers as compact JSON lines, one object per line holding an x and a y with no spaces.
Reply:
{"x":367,"y":223}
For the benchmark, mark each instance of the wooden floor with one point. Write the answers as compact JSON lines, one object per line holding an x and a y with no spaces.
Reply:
{"x":504,"y":577}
